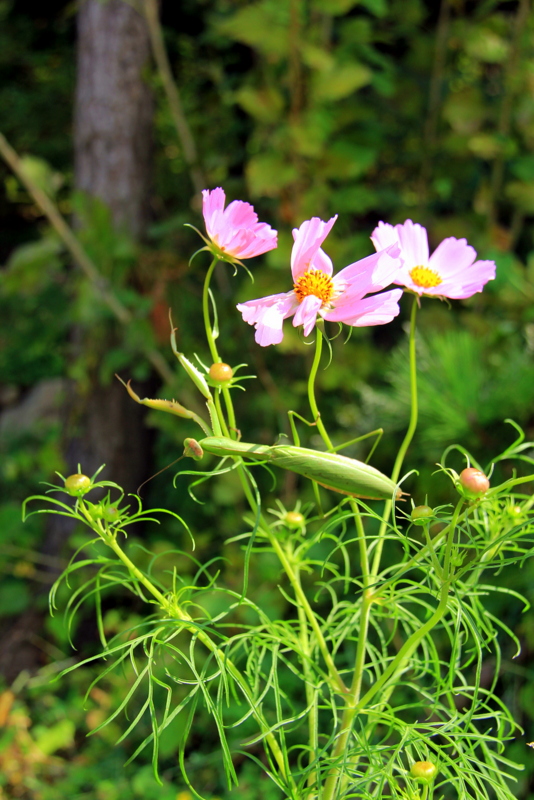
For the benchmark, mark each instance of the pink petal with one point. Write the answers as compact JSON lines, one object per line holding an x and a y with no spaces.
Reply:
{"x":267,"y":314}
{"x":372,"y":273}
{"x":308,"y":239}
{"x":247,"y":243}
{"x":212,"y":202}
{"x":240,"y":215}
{"x":322,"y":262}
{"x":469,"y":283}
{"x":236,"y":229}
{"x":376,"y":310}
{"x":452,"y":257}
{"x":384,"y":235}
{"x":306,"y":313}
{"x":413,"y":241}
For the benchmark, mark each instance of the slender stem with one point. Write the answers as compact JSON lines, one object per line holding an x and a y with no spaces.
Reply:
{"x":206,"y":312}
{"x":173,"y":96}
{"x":311,"y":694}
{"x":175,"y":611}
{"x":232,"y":425}
{"x":311,"y":390}
{"x":395,"y":666}
{"x":337,"y":680}
{"x":407,"y":438}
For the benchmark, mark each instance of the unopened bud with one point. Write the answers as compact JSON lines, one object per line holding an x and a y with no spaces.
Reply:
{"x":424,"y":771}
{"x":294,"y":519}
{"x":421,"y":514}
{"x":77,"y":485}
{"x":474,"y":482}
{"x":221,"y":373}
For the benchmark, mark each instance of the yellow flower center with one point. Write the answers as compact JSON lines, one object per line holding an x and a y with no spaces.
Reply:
{"x":425,"y":278}
{"x":314,"y":282}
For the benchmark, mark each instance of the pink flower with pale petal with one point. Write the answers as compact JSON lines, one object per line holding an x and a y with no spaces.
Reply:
{"x":317,"y":292}
{"x":235,"y":231}
{"x":451,"y":270}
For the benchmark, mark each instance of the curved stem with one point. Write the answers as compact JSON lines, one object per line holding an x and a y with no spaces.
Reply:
{"x":335,"y":678}
{"x":397,"y":664}
{"x":407,"y":438}
{"x":311,"y":390}
{"x":206,"y":312}
{"x":311,"y":694}
{"x":171,"y":608}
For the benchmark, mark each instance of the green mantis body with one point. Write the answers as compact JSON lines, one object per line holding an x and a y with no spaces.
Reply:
{"x":331,"y":470}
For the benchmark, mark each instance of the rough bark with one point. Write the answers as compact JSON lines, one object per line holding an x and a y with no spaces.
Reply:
{"x":112,"y":143}
{"x":113,"y":112}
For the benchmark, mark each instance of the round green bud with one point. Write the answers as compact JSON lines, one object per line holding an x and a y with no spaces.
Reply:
{"x":111,"y":513}
{"x":474,"y":482}
{"x":96,"y":511}
{"x":77,"y":484}
{"x":294,"y":519}
{"x":221,"y":373}
{"x":421,"y":514}
{"x":424,"y":771}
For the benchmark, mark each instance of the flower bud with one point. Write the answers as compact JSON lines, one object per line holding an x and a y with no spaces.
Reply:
{"x":77,"y":485}
{"x":424,"y":771}
{"x":294,"y":519}
{"x":221,"y":373}
{"x":111,"y":513}
{"x":474,"y":482}
{"x":421,"y":514}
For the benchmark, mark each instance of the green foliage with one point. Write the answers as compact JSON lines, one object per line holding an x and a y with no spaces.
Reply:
{"x":328,"y":106}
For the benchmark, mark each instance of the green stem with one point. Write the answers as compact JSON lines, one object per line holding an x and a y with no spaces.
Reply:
{"x":311,"y":694}
{"x":311,"y":390}
{"x":398,"y":663}
{"x":206,"y":312}
{"x":335,"y":678}
{"x":407,"y":439}
{"x":232,"y":425}
{"x":175,"y":611}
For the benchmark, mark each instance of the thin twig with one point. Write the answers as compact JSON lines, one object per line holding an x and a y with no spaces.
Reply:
{"x":173,"y":96}
{"x":80,"y":256}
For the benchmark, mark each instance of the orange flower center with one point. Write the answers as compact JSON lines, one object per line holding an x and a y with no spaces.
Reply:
{"x":425,"y":278}
{"x":314,"y":282}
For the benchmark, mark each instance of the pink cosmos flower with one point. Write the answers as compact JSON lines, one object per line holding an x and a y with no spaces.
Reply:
{"x":235,"y":230}
{"x":338,"y":298}
{"x":451,"y":270}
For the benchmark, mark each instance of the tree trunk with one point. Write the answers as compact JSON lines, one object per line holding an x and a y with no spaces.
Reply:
{"x":113,"y":143}
{"x":114,"y":108}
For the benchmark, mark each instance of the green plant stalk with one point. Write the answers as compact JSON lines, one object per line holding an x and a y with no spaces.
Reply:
{"x":174,"y":610}
{"x":231,"y":428}
{"x":407,"y":439}
{"x":335,"y":678}
{"x":402,"y":657}
{"x":311,"y":694}
{"x":355,"y":689}
{"x":311,"y":391}
{"x":206,"y":312}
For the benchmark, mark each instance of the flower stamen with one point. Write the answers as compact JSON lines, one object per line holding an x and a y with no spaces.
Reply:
{"x":425,"y":277}
{"x":315,"y":282}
